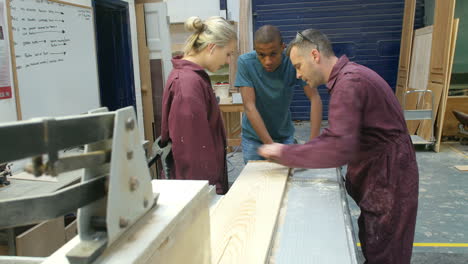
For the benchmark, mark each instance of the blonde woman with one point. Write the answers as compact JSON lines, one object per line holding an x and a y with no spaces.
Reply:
{"x":191,"y":118}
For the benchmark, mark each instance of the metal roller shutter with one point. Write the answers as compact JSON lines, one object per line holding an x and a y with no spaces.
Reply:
{"x":367,"y":31}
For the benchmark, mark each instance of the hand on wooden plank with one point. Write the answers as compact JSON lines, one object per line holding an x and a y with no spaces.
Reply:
{"x":271,"y":151}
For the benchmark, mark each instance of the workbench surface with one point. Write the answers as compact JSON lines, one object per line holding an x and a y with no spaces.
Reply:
{"x":314,"y":225}
{"x":21,"y":188}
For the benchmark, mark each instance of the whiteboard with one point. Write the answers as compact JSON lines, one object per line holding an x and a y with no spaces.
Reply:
{"x":55,"y":58}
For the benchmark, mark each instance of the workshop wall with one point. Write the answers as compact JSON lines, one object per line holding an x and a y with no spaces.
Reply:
{"x":180,"y":10}
{"x":8,"y":108}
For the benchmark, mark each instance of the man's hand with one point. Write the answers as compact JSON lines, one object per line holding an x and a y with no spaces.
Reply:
{"x":271,"y":151}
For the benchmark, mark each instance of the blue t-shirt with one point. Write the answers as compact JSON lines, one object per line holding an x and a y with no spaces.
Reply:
{"x":273,"y":95}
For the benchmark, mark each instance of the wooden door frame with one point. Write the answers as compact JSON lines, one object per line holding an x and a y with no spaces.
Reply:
{"x":145,"y":74}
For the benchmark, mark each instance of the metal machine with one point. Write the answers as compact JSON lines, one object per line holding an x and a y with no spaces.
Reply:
{"x":5,"y":171}
{"x":462,"y":125}
{"x":161,"y":153}
{"x":116,"y":195}
{"x":115,"y":190}
{"x":421,"y":114}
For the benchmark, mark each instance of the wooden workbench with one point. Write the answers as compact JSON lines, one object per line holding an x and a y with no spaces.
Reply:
{"x":232,"y":116}
{"x":176,"y":231}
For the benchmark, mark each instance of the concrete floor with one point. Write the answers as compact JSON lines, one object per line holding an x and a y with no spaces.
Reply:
{"x":443,"y":202}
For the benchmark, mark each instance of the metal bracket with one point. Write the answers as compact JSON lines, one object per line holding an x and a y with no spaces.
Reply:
{"x":115,"y":190}
{"x":129,"y":194}
{"x":163,"y":154}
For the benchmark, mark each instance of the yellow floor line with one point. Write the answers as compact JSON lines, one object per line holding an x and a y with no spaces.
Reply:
{"x":458,"y":151}
{"x":435,"y":244}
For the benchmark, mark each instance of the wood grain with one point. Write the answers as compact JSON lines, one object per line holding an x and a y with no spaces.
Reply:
{"x":419,"y":72}
{"x":420,"y":58}
{"x":444,"y":96}
{"x":243,"y":223}
{"x":462,"y":167}
{"x":441,"y":61}
{"x":405,"y":48}
{"x":71,"y":231}
{"x":3,"y":250}
{"x":442,"y":36}
{"x":14,"y":82}
{"x":176,"y":231}
{"x":245,"y":13}
{"x":41,"y":240}
{"x":145,"y":76}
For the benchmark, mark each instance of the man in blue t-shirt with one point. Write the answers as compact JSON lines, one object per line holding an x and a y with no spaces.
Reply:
{"x":267,"y":79}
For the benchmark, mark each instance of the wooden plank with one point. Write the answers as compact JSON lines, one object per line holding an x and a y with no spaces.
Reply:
{"x":3,"y":250}
{"x":233,"y":70}
{"x":226,"y":108}
{"x":233,"y":62}
{"x":440,"y":59}
{"x":405,"y":48}
{"x":14,"y":83}
{"x":242,"y":225}
{"x":234,"y":142}
{"x":245,"y":14}
{"x":216,"y":204}
{"x":232,"y":119}
{"x":441,"y":112}
{"x":30,"y":177}
{"x":71,"y":231}
{"x":459,"y":103}
{"x":189,"y":241}
{"x":176,"y":231}
{"x":442,"y":37}
{"x":41,"y":240}
{"x":462,"y":167}
{"x":419,"y":71}
{"x":145,"y":76}
{"x":233,"y":128}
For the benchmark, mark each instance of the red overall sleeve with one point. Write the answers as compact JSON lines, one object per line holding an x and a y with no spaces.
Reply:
{"x":337,"y":143}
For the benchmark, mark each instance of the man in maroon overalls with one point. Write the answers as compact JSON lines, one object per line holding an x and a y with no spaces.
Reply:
{"x":367,"y":131}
